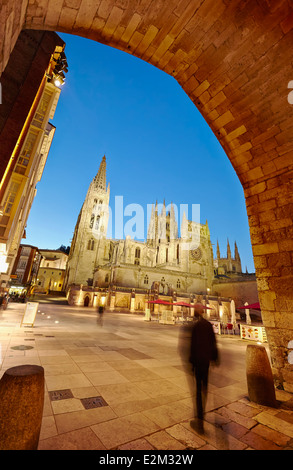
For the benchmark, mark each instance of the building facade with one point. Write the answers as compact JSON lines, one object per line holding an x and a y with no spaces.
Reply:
{"x":25,"y":270}
{"x":51,"y":273}
{"x":128,"y":272}
{"x":31,"y":143}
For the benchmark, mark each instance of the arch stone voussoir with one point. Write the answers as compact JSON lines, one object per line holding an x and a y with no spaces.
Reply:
{"x":233,"y":59}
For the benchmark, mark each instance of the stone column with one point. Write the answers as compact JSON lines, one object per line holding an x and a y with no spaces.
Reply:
{"x":270,"y":213}
{"x":259,"y":375}
{"x":132,"y":304}
{"x":112,"y":301}
{"x":21,"y":407}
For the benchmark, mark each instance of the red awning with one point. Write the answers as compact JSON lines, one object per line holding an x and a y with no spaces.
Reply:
{"x":255,"y":306}
{"x":184,"y":304}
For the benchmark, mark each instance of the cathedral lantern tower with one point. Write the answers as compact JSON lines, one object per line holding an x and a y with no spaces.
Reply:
{"x":90,"y":231}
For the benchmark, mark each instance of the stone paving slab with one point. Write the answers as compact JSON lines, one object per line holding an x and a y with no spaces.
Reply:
{"x":146,"y":395}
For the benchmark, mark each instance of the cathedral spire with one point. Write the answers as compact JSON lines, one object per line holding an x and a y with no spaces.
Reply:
{"x":184,"y":227}
{"x":151,"y":227}
{"x":228,"y":249}
{"x":236,"y":253}
{"x":100,"y":179}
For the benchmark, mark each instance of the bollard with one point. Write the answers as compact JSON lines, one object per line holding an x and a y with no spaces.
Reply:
{"x":260,"y":382}
{"x":21,"y":407}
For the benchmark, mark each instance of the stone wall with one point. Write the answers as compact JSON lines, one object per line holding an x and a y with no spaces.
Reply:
{"x":20,"y":83}
{"x":234,"y":61}
{"x":240,"y":290}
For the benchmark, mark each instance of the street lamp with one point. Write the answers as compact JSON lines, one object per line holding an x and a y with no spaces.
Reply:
{"x":57,"y":83}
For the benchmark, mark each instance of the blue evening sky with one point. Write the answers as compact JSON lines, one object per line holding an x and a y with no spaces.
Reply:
{"x":156,"y":143}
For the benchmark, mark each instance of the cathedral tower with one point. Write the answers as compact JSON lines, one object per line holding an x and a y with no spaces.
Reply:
{"x":162,"y":226}
{"x":90,"y":231}
{"x":228,"y":265}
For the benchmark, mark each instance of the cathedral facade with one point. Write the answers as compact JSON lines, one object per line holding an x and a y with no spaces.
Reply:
{"x":126,"y":272}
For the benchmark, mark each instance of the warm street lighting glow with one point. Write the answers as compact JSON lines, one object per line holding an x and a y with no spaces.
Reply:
{"x":3,"y":264}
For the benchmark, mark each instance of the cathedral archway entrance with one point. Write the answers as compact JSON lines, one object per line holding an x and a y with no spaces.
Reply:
{"x":86,"y":301}
{"x":233,"y":61}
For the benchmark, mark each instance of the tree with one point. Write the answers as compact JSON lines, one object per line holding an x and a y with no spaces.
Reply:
{"x":64,"y":249}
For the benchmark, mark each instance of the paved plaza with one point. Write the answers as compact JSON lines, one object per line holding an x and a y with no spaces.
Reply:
{"x":122,"y":385}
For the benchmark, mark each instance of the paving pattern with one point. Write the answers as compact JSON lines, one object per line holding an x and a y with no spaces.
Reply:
{"x":124,"y":386}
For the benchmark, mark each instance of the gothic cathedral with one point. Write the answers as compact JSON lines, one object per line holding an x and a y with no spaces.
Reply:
{"x":164,"y":263}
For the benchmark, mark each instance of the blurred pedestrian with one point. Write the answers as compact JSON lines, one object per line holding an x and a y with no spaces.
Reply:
{"x":203,"y":350}
{"x":100,"y":315}
{"x":184,"y":342}
{"x":5,"y":301}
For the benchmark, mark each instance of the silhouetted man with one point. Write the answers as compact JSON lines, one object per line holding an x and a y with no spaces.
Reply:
{"x":100,"y":315}
{"x":203,"y":350}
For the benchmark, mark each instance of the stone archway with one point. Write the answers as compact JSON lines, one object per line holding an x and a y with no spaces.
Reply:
{"x":233,"y":59}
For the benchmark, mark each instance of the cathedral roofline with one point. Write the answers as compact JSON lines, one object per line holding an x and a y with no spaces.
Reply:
{"x":138,"y":267}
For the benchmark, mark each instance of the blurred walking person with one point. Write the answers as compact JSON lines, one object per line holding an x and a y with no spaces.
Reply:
{"x":100,"y":315}
{"x":203,"y":350}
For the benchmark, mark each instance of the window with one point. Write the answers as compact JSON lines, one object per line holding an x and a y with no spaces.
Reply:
{"x":146,"y":279}
{"x":166,"y":255}
{"x":91,"y":244}
{"x":21,"y":264}
{"x":107,"y":278}
{"x":92,"y":221}
{"x":163,"y":279}
{"x":177,"y":254}
{"x":9,"y":201}
{"x":42,"y":109}
{"x":137,"y":256}
{"x":97,"y":223}
{"x":178,"y":284}
{"x":26,"y":152}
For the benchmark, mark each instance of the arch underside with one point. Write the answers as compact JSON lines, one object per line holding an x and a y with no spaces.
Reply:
{"x":233,"y":59}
